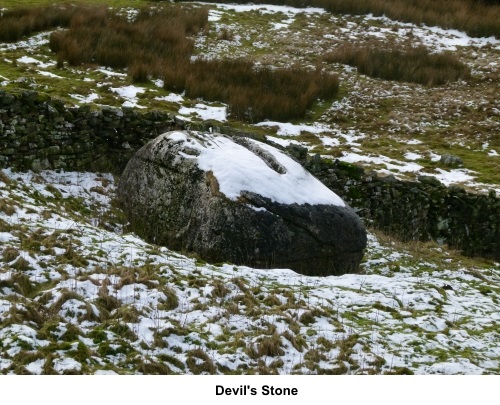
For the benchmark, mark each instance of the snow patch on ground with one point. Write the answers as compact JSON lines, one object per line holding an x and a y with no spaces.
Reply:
{"x":284,"y":24}
{"x":389,"y":163}
{"x":281,"y":141}
{"x":412,"y":156}
{"x":289,"y":129}
{"x":205,"y":112}
{"x":436,"y":37}
{"x":453,"y":176}
{"x":30,"y":60}
{"x":85,"y":99}
{"x":129,"y":93}
{"x":110,"y":72}
{"x":49,"y":74}
{"x":331,"y":142}
{"x":172,"y":98}
{"x":271,"y":9}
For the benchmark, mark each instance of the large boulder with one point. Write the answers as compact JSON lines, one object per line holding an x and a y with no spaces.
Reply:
{"x":241,"y":201}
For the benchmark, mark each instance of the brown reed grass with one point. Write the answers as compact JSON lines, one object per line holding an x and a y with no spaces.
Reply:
{"x":158,"y":43}
{"x":254,"y":93}
{"x":20,"y":22}
{"x":413,"y":65}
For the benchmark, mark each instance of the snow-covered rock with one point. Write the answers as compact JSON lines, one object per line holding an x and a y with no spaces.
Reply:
{"x":241,"y":201}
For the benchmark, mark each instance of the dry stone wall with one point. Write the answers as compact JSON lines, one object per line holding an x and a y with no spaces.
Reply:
{"x":417,"y":210}
{"x":40,"y":133}
{"x":37,"y":133}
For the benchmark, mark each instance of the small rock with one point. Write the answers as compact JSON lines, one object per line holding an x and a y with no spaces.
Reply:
{"x":431,"y":180}
{"x":451,"y":161}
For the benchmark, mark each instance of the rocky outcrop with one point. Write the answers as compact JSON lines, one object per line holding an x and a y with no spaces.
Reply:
{"x":241,"y":201}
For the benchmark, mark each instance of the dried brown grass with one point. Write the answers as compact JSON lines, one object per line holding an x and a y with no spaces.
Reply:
{"x":413,"y":65}
{"x":157,"y":44}
{"x":19,"y":22}
{"x":254,"y":94}
{"x":98,"y":36}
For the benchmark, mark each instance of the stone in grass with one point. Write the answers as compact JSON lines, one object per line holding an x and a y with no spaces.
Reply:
{"x":451,"y":161}
{"x":241,"y":201}
{"x":431,"y":180}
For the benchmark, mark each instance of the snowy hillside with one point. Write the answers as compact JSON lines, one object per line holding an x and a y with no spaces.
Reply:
{"x":78,"y":295}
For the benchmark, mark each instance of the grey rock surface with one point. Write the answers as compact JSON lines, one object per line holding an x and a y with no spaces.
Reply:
{"x":451,"y":160}
{"x":169,"y":200}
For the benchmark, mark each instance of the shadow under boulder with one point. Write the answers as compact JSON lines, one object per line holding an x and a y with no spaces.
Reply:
{"x":241,"y":201}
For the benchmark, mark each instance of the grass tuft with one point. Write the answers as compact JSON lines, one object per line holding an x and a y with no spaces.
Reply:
{"x":254,"y":94}
{"x":414,"y":65}
{"x":20,"y":22}
{"x":10,"y":254}
{"x":199,"y":362}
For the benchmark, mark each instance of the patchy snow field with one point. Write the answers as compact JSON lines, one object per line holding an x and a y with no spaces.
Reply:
{"x":77,"y":295}
{"x":390,"y":118}
{"x":373,"y":122}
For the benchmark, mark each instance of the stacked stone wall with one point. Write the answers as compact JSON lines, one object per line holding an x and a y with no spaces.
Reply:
{"x":39,"y":133}
{"x":418,"y":210}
